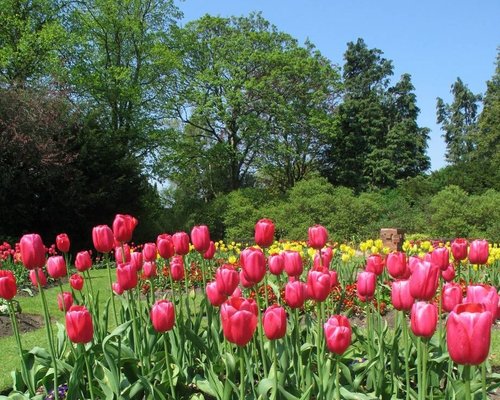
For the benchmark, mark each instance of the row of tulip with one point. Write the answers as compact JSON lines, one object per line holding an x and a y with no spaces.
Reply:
{"x":179,"y":348}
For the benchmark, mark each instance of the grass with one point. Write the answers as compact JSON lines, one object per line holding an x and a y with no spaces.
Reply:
{"x":32,"y":305}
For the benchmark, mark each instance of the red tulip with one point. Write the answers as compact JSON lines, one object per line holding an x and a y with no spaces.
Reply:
{"x":149,"y":252}
{"x":8,"y":288}
{"x":123,"y":227}
{"x":136,"y":260}
{"x":318,"y":236}
{"x":76,"y":281}
{"x":103,"y":238}
{"x":295,"y":294}
{"x":423,"y":319}
{"x":483,"y":294}
{"x":200,"y":237}
{"x":396,"y":264}
{"x":239,"y":320}
{"x":165,"y":246}
{"x":338,"y":333}
{"x":459,"y":249}
{"x":149,"y":270}
{"x":83,"y":262}
{"x":227,"y":279}
{"x":319,"y":284}
{"x":79,"y":325}
{"x":163,"y":315}
{"x":293,"y":262}
{"x":451,"y":296}
{"x":56,"y":267}
{"x":478,"y":252}
{"x":440,"y":256}
{"x":274,"y":322}
{"x":181,"y":243}
{"x":264,"y":232}
{"x":375,"y":263}
{"x":366,"y":285}
{"x":32,"y":251}
{"x":215,"y":297}
{"x":117,"y":288}
{"x":253,"y":264}
{"x":424,"y":281}
{"x":122,"y":254}
{"x":325,"y":259}
{"x":333,"y":278}
{"x":468,"y":333}
{"x":64,"y":301}
{"x":400,"y":295}
{"x":126,"y":275}
{"x":276,"y":264}
{"x":449,"y":273}
{"x":62,"y":242}
{"x":41,"y":277}
{"x":209,"y":254}
{"x":244,"y":280}
{"x":177,"y":268}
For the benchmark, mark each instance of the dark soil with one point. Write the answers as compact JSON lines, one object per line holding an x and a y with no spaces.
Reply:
{"x":26,"y":323}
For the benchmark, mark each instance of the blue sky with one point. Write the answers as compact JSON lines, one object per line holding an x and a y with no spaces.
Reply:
{"x":435,"y":41}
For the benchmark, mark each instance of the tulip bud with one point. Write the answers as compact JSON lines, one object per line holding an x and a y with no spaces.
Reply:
{"x":264,"y":232}
{"x":76,"y":281}
{"x":181,"y":243}
{"x":163,"y":315}
{"x":338,"y":333}
{"x":478,"y":252}
{"x":440,"y":257}
{"x":295,"y":294}
{"x":165,"y":246}
{"x":64,"y":301}
{"x":8,"y":288}
{"x":318,"y":236}
{"x":34,"y":273}
{"x":274,"y":322}
{"x":62,"y":242}
{"x":451,"y":296}
{"x":83,"y":262}
{"x":79,"y":325}
{"x":200,"y":237}
{"x":375,"y":264}
{"x":459,"y":249}
{"x":126,"y":275}
{"x":396,"y":264}
{"x":366,"y":285}
{"x":123,"y":227}
{"x":56,"y":267}
{"x":103,"y":239}
{"x":423,"y":319}
{"x":468,"y":334}
{"x":215,"y":297}
{"x":293,"y":262}
{"x":149,"y":252}
{"x":400,"y":295}
{"x":32,"y":251}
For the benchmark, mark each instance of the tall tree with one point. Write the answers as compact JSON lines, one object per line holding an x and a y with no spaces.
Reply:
{"x":377,"y":140}
{"x":254,"y":99}
{"x":458,"y":120}
{"x":31,"y":35}
{"x":121,"y":63}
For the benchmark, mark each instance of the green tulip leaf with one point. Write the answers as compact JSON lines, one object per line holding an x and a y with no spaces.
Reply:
{"x":264,"y":386}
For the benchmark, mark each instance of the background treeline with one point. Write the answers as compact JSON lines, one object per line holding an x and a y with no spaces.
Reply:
{"x":234,"y":120}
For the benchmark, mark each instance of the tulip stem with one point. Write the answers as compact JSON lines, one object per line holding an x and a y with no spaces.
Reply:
{"x":15,"y":329}
{"x":440,"y":310}
{"x":89,"y":371}
{"x":242,"y":373}
{"x":318,"y":351}
{"x":48,"y":327}
{"x":297,"y":347}
{"x":133,"y":315}
{"x":261,"y":334}
{"x":483,"y":380}
{"x":167,"y":366}
{"x":466,"y":378}
{"x":275,"y":358}
{"x":108,"y":267}
{"x":424,"y":368}
{"x":337,"y":378}
{"x":406,"y":354}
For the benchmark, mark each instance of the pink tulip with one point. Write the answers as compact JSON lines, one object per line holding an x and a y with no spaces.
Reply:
{"x":424,"y":281}
{"x":56,"y":267}
{"x":478,"y":252}
{"x":149,"y":252}
{"x":483,"y":294}
{"x":318,"y":236}
{"x":423,"y":319}
{"x":64,"y":301}
{"x":83,"y":262}
{"x":163,"y":315}
{"x":103,"y":239}
{"x":451,"y":296}
{"x":319,"y":284}
{"x":274,"y":322}
{"x":366,"y":285}
{"x":165,"y":246}
{"x":239,"y":320}
{"x":293,"y":262}
{"x":123,"y":227}
{"x":449,"y":273}
{"x":396,"y":264}
{"x":338,"y":334}
{"x":227,"y":279}
{"x":375,"y":263}
{"x":181,"y":243}
{"x":149,"y":270}
{"x":440,"y":256}
{"x":41,"y":277}
{"x":62,"y":242}
{"x":264,"y":232}
{"x":215,"y":297}
{"x":276,"y":264}
{"x":136,"y":260}
{"x":295,"y":294}
{"x":200,"y":237}
{"x":32,"y":251}
{"x":400,"y":295}
{"x":253,"y":263}
{"x":209,"y":254}
{"x":459,"y":249}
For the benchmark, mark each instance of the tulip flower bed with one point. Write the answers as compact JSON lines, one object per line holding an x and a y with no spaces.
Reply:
{"x":186,"y":318}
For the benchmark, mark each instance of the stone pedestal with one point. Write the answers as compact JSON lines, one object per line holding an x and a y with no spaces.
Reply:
{"x":392,"y":238}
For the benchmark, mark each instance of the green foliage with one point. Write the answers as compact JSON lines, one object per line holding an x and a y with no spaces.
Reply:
{"x":448,"y":213}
